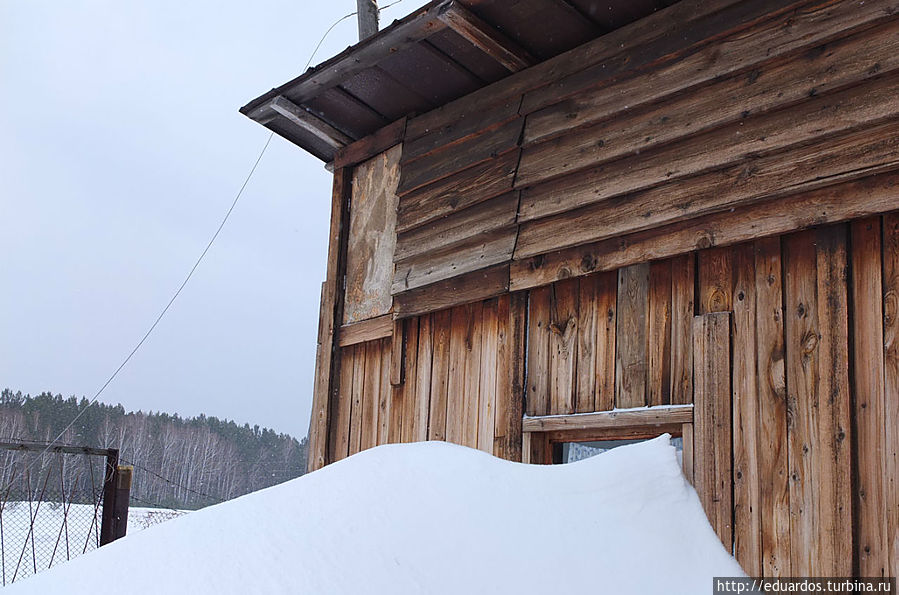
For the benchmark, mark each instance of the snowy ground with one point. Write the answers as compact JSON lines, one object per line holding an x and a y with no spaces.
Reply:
{"x":430,"y":518}
{"x":52,"y":541}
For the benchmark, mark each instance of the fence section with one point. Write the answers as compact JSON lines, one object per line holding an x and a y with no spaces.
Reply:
{"x":54,"y":505}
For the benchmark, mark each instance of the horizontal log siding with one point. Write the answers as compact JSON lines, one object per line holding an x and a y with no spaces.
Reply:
{"x":644,"y":129}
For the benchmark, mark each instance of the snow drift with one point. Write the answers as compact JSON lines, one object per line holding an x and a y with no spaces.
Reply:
{"x":430,"y":518}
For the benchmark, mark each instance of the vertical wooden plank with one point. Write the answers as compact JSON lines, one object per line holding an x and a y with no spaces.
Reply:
{"x":320,"y":382}
{"x":384,"y":392}
{"x":439,"y":375}
{"x":869,"y":404}
{"x":410,"y":383}
{"x":331,"y":311}
{"x":631,"y":362}
{"x":715,"y":280}
{"x":423,"y":362}
{"x":747,"y":526}
{"x":802,"y":339}
{"x":503,"y":396}
{"x":658,"y":377}
{"x":526,"y":448}
{"x":682,"y":291}
{"x":538,"y":351}
{"x":687,"y":437}
{"x":459,"y":333}
{"x":372,"y":394}
{"x":488,"y":375}
{"x":397,"y":353}
{"x":536,"y":449}
{"x":817,"y":379}
{"x":455,"y":369}
{"x":503,"y":380}
{"x":588,"y":318}
{"x":712,"y":421}
{"x":512,"y":361}
{"x":891,"y":381}
{"x":339,"y":433}
{"x":834,"y":492}
{"x":358,"y":398}
{"x":472,"y":376}
{"x":392,"y":400}
{"x":774,"y":483}
{"x":563,"y":346}
{"x":606,"y":327}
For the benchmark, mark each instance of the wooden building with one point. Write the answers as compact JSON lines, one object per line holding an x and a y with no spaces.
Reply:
{"x":557,"y":221}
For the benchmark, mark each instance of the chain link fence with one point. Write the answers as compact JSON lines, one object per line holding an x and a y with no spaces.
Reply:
{"x":51,"y":505}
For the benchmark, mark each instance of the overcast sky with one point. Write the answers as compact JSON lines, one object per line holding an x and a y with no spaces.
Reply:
{"x":121,"y":148}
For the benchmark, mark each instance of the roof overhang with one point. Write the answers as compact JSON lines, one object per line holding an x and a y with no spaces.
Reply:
{"x":444,"y":50}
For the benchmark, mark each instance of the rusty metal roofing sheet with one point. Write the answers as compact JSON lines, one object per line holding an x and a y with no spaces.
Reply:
{"x":385,"y":94}
{"x":433,"y":74}
{"x":419,"y":63}
{"x":545,"y":27}
{"x":468,"y":56}
{"x":612,"y":15}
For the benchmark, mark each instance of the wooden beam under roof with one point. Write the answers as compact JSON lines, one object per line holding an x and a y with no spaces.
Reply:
{"x":309,"y":122}
{"x":485,"y":37}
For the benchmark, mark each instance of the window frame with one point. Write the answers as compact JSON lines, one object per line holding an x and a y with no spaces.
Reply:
{"x":543,"y":435}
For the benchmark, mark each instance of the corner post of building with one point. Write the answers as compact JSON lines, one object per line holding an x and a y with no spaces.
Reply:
{"x":331,"y":314}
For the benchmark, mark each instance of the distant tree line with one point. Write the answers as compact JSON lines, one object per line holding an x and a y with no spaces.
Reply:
{"x":179,"y":462}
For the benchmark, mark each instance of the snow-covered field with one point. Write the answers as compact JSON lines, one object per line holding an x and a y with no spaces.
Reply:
{"x":430,"y":518}
{"x":53,"y":541}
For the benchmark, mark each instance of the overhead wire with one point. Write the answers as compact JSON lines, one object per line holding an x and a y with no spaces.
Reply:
{"x":165,"y":310}
{"x":171,"y":481}
{"x":193,"y":269}
{"x":337,"y":22}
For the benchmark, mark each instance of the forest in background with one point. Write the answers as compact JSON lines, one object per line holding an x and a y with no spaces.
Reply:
{"x":183,"y":463}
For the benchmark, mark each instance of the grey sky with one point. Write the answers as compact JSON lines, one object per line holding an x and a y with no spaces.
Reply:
{"x":120,"y":150}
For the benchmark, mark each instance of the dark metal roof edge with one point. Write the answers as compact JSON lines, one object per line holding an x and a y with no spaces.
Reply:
{"x":409,"y":29}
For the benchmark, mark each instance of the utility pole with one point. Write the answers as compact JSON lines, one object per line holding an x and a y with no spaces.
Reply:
{"x":367,"y":11}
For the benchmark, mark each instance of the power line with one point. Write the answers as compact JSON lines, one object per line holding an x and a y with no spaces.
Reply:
{"x":175,"y":295}
{"x":383,"y":8}
{"x":171,"y":481}
{"x":165,"y":310}
{"x":194,"y":267}
{"x":337,"y":22}
{"x":320,"y":41}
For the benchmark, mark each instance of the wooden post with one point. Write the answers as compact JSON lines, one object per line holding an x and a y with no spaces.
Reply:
{"x":116,"y":497}
{"x":367,"y":13}
{"x":325,"y":391}
{"x":122,"y":499}
{"x":110,"y":477}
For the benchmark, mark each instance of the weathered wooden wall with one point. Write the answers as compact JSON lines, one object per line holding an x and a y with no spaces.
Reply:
{"x":808,"y":365}
{"x":708,"y":123}
{"x":457,"y":383}
{"x":703,"y":190}
{"x":813,"y":380}
{"x":616,"y":339}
